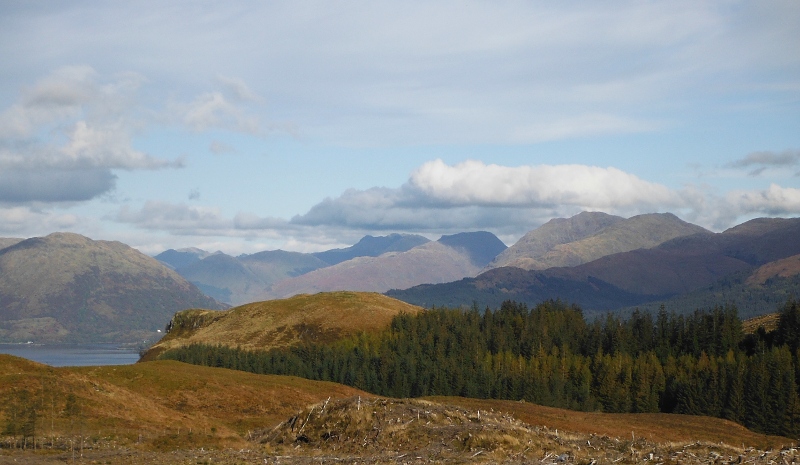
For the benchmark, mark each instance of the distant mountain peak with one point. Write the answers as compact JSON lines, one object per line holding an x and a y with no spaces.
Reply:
{"x":481,"y":246}
{"x":588,"y":236}
{"x":372,"y":246}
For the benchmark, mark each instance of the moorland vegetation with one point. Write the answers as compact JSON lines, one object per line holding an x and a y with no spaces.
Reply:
{"x":699,"y":364}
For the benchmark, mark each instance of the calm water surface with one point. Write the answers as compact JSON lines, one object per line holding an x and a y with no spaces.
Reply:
{"x":61,"y":355}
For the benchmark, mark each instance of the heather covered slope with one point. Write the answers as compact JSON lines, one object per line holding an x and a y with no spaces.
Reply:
{"x":449,"y":258}
{"x":677,"y":267}
{"x":589,"y":236}
{"x":281,"y":323}
{"x":66,"y":287}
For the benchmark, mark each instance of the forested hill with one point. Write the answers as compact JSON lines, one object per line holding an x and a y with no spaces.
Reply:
{"x":701,"y":364}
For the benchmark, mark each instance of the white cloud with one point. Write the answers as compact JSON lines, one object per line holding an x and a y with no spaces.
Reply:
{"x":66,"y":133}
{"x":775,"y":200}
{"x":475,"y":183}
{"x":508,"y":200}
{"x":443,"y":199}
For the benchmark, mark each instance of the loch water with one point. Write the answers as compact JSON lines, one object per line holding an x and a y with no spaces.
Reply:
{"x":60,"y":355}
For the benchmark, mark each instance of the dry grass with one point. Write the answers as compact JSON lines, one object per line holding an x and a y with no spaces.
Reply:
{"x":320,"y":317}
{"x":450,"y":430}
{"x":162,"y":405}
{"x":169,"y":412}
{"x":783,"y":268}
{"x":768,"y":321}
{"x":234,"y":399}
{"x":655,"y":427}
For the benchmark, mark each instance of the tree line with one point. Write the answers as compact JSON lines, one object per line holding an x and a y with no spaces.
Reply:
{"x":699,"y":364}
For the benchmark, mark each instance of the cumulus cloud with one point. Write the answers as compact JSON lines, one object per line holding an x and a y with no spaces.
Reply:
{"x":775,"y":200}
{"x":472,"y":194}
{"x":442,"y":199}
{"x":475,"y":183}
{"x":62,"y":139}
{"x":66,"y":134}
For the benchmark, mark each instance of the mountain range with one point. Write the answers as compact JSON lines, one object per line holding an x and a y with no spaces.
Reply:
{"x":66,"y":287}
{"x":692,"y":264}
{"x":374,"y":264}
{"x":450,"y":258}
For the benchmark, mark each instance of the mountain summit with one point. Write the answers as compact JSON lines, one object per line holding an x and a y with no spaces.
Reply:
{"x":67,"y":287}
{"x":588,"y":236}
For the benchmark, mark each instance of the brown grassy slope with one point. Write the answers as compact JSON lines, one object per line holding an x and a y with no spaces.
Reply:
{"x":783,"y":268}
{"x":104,"y":409}
{"x":768,"y":321}
{"x":234,"y":399}
{"x":264,"y":325}
{"x":160,"y":402}
{"x":656,"y":427}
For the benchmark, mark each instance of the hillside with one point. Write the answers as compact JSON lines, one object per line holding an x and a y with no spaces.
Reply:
{"x":281,"y":323}
{"x":168,"y":412}
{"x":66,"y":287}
{"x":783,"y":268}
{"x":589,"y":236}
{"x":754,"y":293}
{"x":449,"y":258}
{"x":161,"y":405}
{"x":675,"y":268}
{"x":557,"y":231}
{"x":8,"y":241}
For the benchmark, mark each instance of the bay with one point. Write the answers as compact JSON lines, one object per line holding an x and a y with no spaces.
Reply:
{"x":61,"y":355}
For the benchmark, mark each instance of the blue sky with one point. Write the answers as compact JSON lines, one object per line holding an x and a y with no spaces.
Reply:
{"x":246,"y":126}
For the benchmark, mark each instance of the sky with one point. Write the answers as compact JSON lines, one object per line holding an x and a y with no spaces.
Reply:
{"x":302,"y":125}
